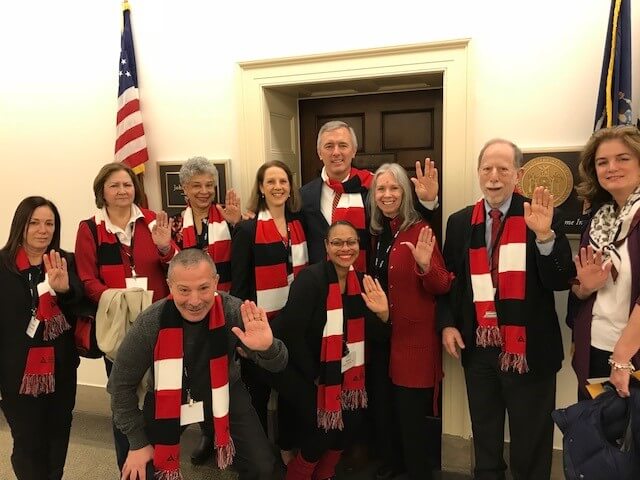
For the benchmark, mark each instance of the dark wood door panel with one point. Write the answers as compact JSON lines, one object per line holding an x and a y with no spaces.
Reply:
{"x":400,"y":127}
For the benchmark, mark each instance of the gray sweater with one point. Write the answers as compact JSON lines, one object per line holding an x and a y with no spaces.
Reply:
{"x":135,"y":357}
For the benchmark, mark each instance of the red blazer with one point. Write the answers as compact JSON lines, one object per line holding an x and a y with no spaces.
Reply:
{"x":416,"y":354}
{"x":149,"y":262}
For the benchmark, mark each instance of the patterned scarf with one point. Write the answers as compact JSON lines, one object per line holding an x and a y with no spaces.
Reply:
{"x":168,"y":374}
{"x":277,"y":263}
{"x":351,"y":208}
{"x":110,"y":266}
{"x":338,"y":389}
{"x":219,"y":242}
{"x":609,"y":230}
{"x":509,"y":333}
{"x":38,"y":377}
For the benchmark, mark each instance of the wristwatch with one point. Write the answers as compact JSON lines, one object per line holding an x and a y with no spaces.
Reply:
{"x":551,"y":238}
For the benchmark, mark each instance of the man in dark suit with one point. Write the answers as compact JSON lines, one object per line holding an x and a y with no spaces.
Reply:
{"x":508,"y":255}
{"x":337,"y":146}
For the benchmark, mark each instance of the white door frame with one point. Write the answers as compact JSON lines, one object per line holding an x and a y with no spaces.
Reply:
{"x":448,"y":57}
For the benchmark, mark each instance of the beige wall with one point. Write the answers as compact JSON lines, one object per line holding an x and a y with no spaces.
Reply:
{"x":534,"y":69}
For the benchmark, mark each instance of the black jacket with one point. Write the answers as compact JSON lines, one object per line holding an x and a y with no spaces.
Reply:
{"x":15,"y":314}
{"x":545,"y":274}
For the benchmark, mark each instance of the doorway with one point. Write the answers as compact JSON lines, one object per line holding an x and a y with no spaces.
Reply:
{"x":399,"y":127}
{"x":268,"y":92}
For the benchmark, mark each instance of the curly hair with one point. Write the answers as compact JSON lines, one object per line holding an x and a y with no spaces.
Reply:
{"x":589,"y":188}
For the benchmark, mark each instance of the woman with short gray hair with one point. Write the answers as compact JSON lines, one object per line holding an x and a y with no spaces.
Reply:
{"x":205,"y":224}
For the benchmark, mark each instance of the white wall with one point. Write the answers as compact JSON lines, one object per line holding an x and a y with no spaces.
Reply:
{"x":534,"y":66}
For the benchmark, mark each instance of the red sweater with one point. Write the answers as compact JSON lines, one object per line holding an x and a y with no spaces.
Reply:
{"x":149,"y":263}
{"x":416,"y":355}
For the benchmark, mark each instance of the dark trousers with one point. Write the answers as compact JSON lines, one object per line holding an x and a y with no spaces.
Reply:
{"x":40,"y":429}
{"x":259,"y":384}
{"x":254,"y":458}
{"x":300,"y":394}
{"x":120,"y":441}
{"x":598,"y":367}
{"x":529,"y":400}
{"x":381,"y":414}
{"x":413,"y":405}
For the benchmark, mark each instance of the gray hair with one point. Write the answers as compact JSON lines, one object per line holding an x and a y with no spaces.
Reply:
{"x":189,"y":258}
{"x":517,"y":153}
{"x":197,"y":166}
{"x":407,"y":211}
{"x":335,"y":125}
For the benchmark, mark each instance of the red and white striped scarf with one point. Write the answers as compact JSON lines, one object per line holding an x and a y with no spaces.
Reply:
{"x":38,"y":377}
{"x":219,"y":242}
{"x":168,"y":356}
{"x":109,"y":257}
{"x":276,"y":265}
{"x":509,"y":332}
{"x":351,"y":207}
{"x":337,"y":389}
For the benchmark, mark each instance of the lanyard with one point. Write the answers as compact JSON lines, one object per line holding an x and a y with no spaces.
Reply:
{"x":128,"y":251}
{"x":187,"y":387}
{"x":287,"y":245}
{"x":381,"y":260}
{"x":33,"y":287}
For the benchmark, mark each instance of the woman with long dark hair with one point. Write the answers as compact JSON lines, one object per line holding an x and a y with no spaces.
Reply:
{"x":267,"y":253}
{"x":38,"y":358}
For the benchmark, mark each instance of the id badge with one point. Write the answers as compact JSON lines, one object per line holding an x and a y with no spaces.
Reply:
{"x":32,"y":328}
{"x":348,"y":361}
{"x":191,"y":413}
{"x":136,"y":282}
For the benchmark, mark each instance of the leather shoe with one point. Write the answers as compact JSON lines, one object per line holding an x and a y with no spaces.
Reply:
{"x":385,"y":472}
{"x":203,"y":451}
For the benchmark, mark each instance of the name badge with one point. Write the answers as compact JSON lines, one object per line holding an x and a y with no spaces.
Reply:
{"x":348,"y":361}
{"x":490,"y":314}
{"x":136,"y":282}
{"x":192,"y":412}
{"x":32,"y":328}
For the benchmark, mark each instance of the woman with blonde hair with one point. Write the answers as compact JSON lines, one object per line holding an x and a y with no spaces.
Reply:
{"x":408,"y":264}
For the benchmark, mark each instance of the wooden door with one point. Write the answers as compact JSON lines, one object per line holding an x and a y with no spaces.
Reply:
{"x":391,"y":127}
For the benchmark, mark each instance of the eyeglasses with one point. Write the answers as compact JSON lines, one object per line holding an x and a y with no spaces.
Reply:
{"x":337,"y":243}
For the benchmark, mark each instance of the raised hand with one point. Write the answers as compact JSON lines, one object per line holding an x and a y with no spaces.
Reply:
{"x":161,"y":231}
{"x":423,"y":249}
{"x":375,"y":298}
{"x":56,"y":267}
{"x":231,"y":210}
{"x":257,"y":335}
{"x":592,"y":271}
{"x":426,"y":182}
{"x":539,"y":213}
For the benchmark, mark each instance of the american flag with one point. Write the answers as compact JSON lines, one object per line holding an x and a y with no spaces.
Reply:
{"x":131,"y":146}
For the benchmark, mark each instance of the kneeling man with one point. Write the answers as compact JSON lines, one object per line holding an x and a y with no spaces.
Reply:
{"x":190,"y":340}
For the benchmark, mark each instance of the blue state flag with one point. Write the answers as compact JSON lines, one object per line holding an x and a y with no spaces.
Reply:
{"x":614,"y":94}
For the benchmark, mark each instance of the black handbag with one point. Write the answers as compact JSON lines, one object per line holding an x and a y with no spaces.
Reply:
{"x":85,"y":329}
{"x":602,"y":437}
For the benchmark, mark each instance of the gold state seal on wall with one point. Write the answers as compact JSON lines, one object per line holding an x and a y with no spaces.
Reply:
{"x":548,"y":172}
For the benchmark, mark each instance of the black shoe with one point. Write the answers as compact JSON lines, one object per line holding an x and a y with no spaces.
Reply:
{"x":203,"y":451}
{"x":385,"y":472}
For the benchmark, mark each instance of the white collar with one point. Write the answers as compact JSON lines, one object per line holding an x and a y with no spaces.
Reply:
{"x":136,"y":213}
{"x":325,"y":177}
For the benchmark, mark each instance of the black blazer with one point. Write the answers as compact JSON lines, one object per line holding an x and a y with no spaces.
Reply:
{"x":301,"y":322}
{"x":545,"y":274}
{"x":15,"y":314}
{"x":243,"y":278}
